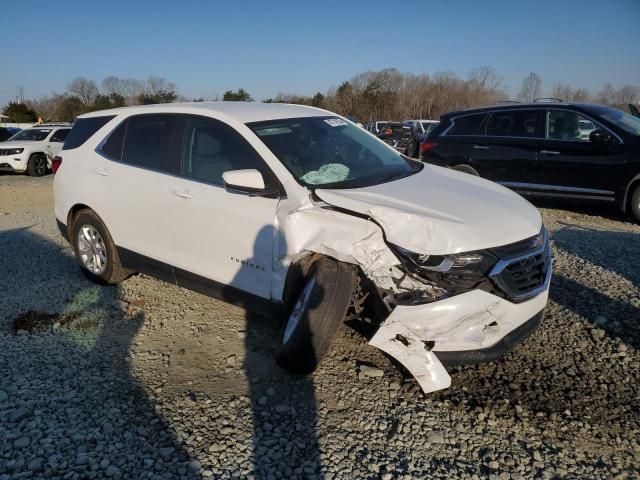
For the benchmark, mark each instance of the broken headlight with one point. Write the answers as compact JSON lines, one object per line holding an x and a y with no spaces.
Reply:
{"x":455,"y":273}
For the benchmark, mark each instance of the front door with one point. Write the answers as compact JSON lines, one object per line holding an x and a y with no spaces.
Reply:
{"x":217,"y":234}
{"x":570,"y":164}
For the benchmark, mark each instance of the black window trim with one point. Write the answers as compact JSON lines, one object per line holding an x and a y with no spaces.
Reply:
{"x":60,"y":130}
{"x":177,"y":173}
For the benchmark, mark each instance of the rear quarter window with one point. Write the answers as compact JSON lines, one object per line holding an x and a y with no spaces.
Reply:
{"x":468,"y":125}
{"x":83,"y":129}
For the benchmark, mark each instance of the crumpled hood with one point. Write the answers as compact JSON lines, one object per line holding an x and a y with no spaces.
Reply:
{"x":439,"y":211}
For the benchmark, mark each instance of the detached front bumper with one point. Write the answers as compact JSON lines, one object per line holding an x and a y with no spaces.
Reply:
{"x":468,"y":328}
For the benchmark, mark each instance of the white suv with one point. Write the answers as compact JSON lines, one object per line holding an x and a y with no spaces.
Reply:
{"x":32,"y":150}
{"x":293,"y":209}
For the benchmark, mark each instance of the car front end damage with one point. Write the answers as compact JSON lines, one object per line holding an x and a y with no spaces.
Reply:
{"x":486,"y":308}
{"x":436,"y":309}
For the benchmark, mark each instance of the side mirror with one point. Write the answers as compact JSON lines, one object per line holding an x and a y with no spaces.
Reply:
{"x":599,"y":136}
{"x":249,"y":182}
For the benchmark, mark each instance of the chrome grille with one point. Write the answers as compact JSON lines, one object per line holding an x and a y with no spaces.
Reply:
{"x":524,"y":269}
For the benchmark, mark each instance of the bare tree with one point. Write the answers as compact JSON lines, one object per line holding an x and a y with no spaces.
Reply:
{"x":531,"y":88}
{"x":114,"y":86}
{"x":86,"y":90}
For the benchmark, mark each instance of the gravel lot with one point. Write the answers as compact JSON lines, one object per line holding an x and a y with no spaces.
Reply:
{"x":148,"y":380}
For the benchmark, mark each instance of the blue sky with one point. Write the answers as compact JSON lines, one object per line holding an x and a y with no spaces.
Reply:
{"x":302,"y":47}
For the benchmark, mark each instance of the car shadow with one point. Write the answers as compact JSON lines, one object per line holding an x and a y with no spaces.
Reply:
{"x":71,"y":404}
{"x":285,"y":441}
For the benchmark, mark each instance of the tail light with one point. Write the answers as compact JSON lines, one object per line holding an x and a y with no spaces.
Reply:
{"x":55,"y":163}
{"x":426,"y":146}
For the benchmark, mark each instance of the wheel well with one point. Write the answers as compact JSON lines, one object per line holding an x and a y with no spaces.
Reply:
{"x":73,"y":213}
{"x":629,"y":193}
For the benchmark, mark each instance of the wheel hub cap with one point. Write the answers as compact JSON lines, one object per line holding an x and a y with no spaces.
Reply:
{"x":92,"y":250}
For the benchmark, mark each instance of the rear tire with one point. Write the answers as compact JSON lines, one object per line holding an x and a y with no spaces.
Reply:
{"x":37,"y":165}
{"x":635,"y":203}
{"x":315,"y":318}
{"x":95,"y":250}
{"x":466,"y":169}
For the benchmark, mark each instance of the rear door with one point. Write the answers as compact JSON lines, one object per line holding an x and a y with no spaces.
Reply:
{"x":507,"y":153}
{"x":131,"y":183}
{"x":570,"y":164}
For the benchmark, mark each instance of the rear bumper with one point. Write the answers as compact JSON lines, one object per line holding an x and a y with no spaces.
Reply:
{"x":484,"y":355}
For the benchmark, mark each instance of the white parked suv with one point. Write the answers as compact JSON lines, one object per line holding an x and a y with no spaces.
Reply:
{"x":296,"y":211}
{"x":32,"y":150}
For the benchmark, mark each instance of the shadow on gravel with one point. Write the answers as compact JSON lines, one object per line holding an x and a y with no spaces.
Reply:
{"x":69,"y":404}
{"x":612,"y":250}
{"x":285,"y":443}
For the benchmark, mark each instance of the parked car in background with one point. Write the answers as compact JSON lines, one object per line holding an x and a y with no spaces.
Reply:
{"x":397,"y":135}
{"x":419,"y":128}
{"x":293,"y":210}
{"x":7,"y":132}
{"x":563,"y":150}
{"x":32,"y":150}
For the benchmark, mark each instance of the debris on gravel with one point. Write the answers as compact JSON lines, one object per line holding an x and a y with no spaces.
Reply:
{"x":148,"y":381}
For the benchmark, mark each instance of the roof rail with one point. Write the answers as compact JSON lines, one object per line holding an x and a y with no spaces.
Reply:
{"x":53,"y":124}
{"x":506,"y":102}
{"x":547,"y":100}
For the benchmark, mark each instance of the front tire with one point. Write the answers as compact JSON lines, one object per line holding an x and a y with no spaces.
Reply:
{"x":95,"y":250}
{"x":319,"y":311}
{"x":37,"y":165}
{"x":635,"y":203}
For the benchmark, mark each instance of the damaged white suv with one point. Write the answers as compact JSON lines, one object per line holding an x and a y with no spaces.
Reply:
{"x":293,"y":209}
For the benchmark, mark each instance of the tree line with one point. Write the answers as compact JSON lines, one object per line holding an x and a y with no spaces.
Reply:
{"x":374,"y":95}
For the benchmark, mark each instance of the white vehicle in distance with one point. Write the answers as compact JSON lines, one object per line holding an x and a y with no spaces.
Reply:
{"x":296,"y":211}
{"x":421,"y":127}
{"x":32,"y":150}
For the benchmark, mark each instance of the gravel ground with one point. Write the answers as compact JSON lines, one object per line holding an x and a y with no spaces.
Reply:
{"x":147,"y":380}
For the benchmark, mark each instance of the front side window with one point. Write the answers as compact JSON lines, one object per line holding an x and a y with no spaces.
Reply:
{"x":153,"y":142}
{"x":567,"y":125}
{"x":512,"y":123}
{"x":331,"y":153}
{"x":32,"y":134}
{"x":468,"y":125}
{"x":211,"y":148}
{"x":60,"y":135}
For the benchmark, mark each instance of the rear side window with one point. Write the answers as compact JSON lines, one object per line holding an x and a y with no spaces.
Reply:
{"x":512,"y":123}
{"x":112,"y":147}
{"x":153,"y":142}
{"x":468,"y":125}
{"x":83,"y":129}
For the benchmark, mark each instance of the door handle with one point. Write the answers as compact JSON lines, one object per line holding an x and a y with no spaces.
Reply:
{"x":549,"y":152}
{"x":182,"y":194}
{"x":102,"y":171}
{"x":481,"y":147}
